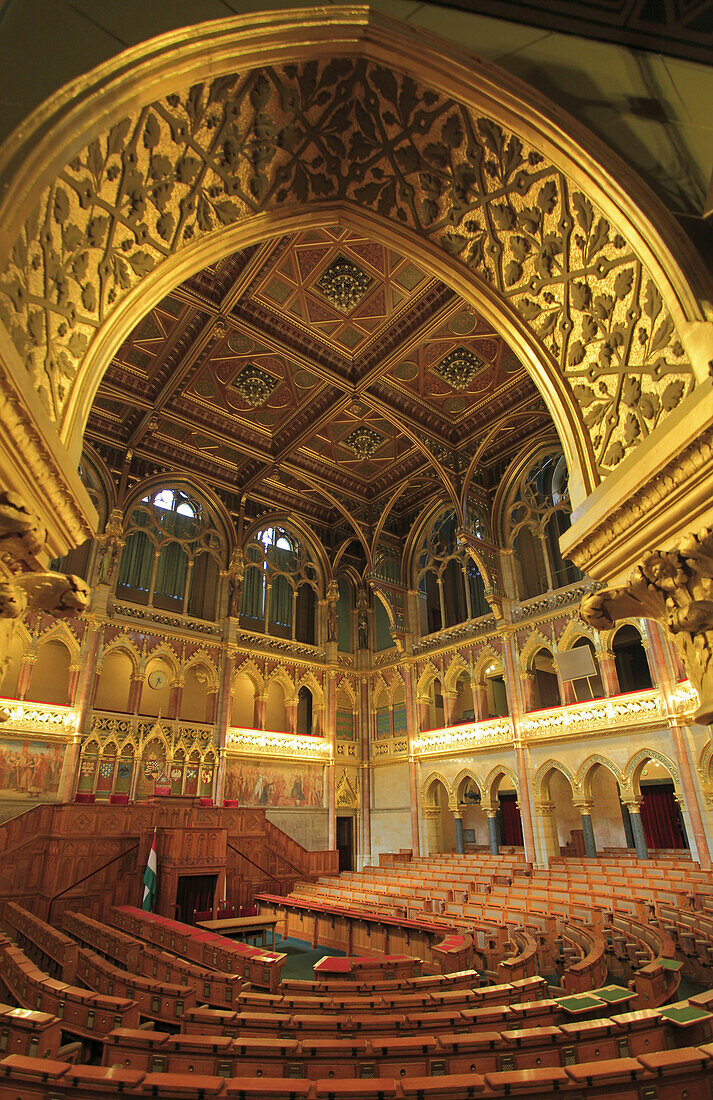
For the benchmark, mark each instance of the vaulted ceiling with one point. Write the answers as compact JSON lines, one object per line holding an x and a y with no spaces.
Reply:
{"x":319,"y":368}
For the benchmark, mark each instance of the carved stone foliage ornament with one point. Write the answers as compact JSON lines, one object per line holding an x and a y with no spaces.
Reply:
{"x":675,"y":587}
{"x":351,"y":131}
{"x":24,"y":586}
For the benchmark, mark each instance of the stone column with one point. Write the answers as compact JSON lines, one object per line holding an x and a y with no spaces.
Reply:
{"x":527,"y":679}
{"x":423,"y":707}
{"x":634,"y":807}
{"x":493,"y":833}
{"x":137,"y":684}
{"x":364,"y":727}
{"x":449,"y":707}
{"x":291,"y":714}
{"x":175,"y":697}
{"x":568,"y":695}
{"x":84,"y":697}
{"x":410,"y":737}
{"x":609,"y":674}
{"x":480,"y":703}
{"x":211,"y":706}
{"x":27,"y":663}
{"x":585,"y":813}
{"x":434,"y":835}
{"x":73,"y":684}
{"x":330,"y":735}
{"x":545,"y":814}
{"x":662,"y":659}
{"x":460,"y":845}
{"x":221,"y":725}
{"x":260,"y":711}
{"x":524,"y":792}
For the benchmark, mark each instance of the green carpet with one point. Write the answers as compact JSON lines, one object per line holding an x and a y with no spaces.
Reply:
{"x":301,"y":958}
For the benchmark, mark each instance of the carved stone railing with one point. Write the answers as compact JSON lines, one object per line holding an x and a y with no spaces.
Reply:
{"x":551,"y":601}
{"x":389,"y":747}
{"x":267,"y":743}
{"x":45,"y":718}
{"x":639,"y":708}
{"x":139,"y":726}
{"x":453,"y":635}
{"x":474,"y":735}
{"x":165,"y":618}
{"x":268,"y":643}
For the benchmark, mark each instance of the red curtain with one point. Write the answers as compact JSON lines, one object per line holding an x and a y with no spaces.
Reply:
{"x":511,"y":822}
{"x":660,"y":818}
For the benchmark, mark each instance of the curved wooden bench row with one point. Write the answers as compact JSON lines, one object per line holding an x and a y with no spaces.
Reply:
{"x":669,"y":1073}
{"x":458,"y":979}
{"x":393,"y":1000}
{"x":213,"y":987}
{"x":382,"y":1056}
{"x":156,"y":1000}
{"x":590,"y":970}
{"x":81,"y":1011}
{"x":45,"y":945}
{"x":261,"y":968}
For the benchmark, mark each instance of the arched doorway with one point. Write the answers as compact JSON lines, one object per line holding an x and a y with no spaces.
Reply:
{"x":609,"y":819}
{"x":508,"y":823}
{"x":562,"y":825}
{"x":440,"y":826}
{"x":473,"y":817}
{"x":661,"y":815}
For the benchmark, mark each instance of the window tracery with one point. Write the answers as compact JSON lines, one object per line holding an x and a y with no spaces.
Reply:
{"x":172,"y":554}
{"x":280,"y":585}
{"x":448,"y":580}
{"x":536,"y":514}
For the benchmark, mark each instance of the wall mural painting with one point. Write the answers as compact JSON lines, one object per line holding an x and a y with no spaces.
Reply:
{"x":275,"y":784}
{"x":30,"y":768}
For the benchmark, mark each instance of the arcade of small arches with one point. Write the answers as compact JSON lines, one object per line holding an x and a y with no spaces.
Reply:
{"x":599,"y":807}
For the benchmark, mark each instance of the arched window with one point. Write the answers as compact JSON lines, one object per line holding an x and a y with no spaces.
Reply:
{"x":449,"y":583}
{"x":279,"y":586}
{"x":536,"y":514}
{"x":172,"y":555}
{"x":630,"y":658}
{"x":304,"y":711}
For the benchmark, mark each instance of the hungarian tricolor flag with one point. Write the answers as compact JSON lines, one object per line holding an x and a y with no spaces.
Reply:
{"x":150,"y":878}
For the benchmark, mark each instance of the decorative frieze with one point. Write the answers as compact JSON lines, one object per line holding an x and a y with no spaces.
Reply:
{"x":40,"y":717}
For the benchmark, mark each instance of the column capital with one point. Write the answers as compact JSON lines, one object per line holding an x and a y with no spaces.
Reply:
{"x":544,"y":809}
{"x":583,"y":805}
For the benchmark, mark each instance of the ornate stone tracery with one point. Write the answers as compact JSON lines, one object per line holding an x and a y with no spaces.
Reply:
{"x":204,"y":158}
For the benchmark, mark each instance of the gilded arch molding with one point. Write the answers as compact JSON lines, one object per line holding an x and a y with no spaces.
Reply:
{"x":164,"y":158}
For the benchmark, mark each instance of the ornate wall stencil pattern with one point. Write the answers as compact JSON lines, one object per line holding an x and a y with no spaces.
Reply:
{"x":347,"y":131}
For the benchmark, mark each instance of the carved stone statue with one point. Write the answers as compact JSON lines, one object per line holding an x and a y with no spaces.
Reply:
{"x":675,"y":587}
{"x":236,"y":571}
{"x":332,"y":619}
{"x":110,"y":547}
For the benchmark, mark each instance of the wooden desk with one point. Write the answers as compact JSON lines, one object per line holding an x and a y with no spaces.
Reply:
{"x":239,"y":927}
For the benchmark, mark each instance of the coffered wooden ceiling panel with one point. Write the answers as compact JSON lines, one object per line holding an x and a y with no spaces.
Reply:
{"x":316,"y":368}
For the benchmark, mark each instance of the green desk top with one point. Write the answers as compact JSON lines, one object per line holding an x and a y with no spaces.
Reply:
{"x":669,"y":964}
{"x":580,"y":1002}
{"x":613,"y":994}
{"x":685,"y":1014}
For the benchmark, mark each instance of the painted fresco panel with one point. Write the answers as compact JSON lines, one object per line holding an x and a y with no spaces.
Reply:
{"x":274,"y":783}
{"x":30,"y":768}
